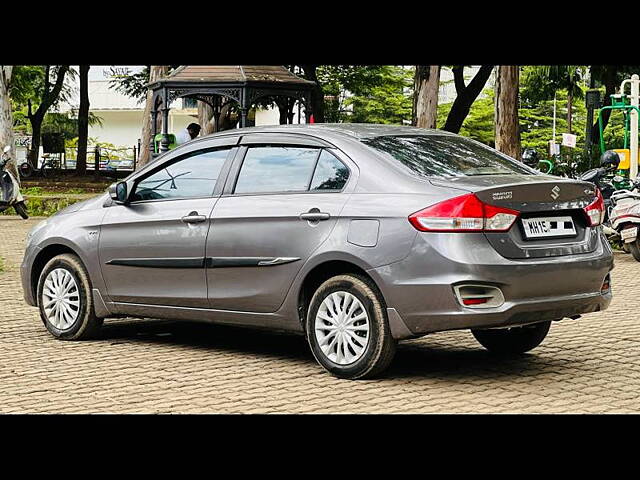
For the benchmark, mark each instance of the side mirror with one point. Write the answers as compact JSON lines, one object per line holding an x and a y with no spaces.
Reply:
{"x":118,"y":192}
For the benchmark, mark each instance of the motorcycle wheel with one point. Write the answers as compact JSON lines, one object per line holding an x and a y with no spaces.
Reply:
{"x":21,"y":209}
{"x":45,"y":170}
{"x":26,"y":170}
{"x":635,"y":249}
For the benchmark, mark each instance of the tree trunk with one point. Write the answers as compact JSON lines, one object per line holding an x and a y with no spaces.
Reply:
{"x":465,"y":96}
{"x":156,"y":72}
{"x":36,"y":129}
{"x":6,"y":119}
{"x":285,"y":109}
{"x":205,"y":118}
{"x":425,"y":97}
{"x":611,"y":84}
{"x":36,"y":118}
{"x":224,"y":120}
{"x":317,"y":99}
{"x":83,"y":121}
{"x":506,"y":115}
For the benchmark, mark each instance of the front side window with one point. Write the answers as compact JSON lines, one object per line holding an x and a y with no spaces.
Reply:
{"x":193,"y":176}
{"x":446,"y":156}
{"x":276,"y":169}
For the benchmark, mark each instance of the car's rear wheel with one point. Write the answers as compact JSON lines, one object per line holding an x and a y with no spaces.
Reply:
{"x":347,"y":328}
{"x":512,"y":340}
{"x":65,"y":301}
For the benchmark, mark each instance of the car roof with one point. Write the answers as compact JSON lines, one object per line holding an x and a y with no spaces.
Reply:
{"x":357,"y":131}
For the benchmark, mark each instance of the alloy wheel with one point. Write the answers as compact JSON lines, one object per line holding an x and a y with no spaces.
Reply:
{"x":342,"y":328}
{"x":61,"y":299}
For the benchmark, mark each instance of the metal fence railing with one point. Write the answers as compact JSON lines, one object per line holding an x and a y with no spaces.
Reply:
{"x":109,"y":159}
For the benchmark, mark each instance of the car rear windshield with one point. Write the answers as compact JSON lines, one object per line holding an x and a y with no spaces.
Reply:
{"x":446,"y":156}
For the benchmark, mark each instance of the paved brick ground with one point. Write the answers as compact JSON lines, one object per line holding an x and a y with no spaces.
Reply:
{"x":588,"y":365}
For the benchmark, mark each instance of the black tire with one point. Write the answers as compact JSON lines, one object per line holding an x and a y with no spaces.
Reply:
{"x":21,"y":209}
{"x":25,"y":169}
{"x":380,"y":345}
{"x":634,"y":247}
{"x":87,"y":325}
{"x":513,"y":340}
{"x":46,"y":172}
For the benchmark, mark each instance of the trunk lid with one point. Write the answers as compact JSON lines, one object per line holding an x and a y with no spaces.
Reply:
{"x":535,"y":196}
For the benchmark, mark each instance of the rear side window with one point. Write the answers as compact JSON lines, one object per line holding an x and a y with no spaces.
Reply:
{"x":330,"y":173}
{"x":274,"y":169}
{"x":193,"y":176}
{"x":446,"y":156}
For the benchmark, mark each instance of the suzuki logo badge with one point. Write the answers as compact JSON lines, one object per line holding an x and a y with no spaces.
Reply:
{"x":555,"y":192}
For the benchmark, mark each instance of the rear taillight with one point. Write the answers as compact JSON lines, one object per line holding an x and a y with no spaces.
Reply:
{"x":595,"y":210}
{"x":466,"y":213}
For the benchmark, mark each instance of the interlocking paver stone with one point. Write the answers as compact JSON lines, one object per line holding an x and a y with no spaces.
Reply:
{"x":157,"y":366}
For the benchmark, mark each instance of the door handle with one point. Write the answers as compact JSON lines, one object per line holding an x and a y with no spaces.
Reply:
{"x":314,"y":215}
{"x":193,"y":217}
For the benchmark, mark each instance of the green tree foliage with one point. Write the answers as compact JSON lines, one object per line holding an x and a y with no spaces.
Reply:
{"x":387,"y":100}
{"x":366,"y":94}
{"x":28,"y":81}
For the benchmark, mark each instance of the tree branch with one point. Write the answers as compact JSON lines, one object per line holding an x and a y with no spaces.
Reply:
{"x":50,"y":96}
{"x":465,"y":98}
{"x":458,"y":78}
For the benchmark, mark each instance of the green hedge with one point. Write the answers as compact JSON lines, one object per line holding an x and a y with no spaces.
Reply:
{"x":44,"y":206}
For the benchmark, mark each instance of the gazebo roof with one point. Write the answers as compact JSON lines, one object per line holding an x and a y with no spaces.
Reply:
{"x":272,"y":74}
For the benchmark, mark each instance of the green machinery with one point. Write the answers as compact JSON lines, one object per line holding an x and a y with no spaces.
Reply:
{"x":620,"y":102}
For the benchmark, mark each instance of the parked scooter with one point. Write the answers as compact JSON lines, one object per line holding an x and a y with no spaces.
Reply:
{"x":10,"y":195}
{"x":601,"y":177}
{"x":625,"y":217}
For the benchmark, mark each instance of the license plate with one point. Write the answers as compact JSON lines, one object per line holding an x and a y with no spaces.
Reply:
{"x":545,"y":227}
{"x":629,"y":234}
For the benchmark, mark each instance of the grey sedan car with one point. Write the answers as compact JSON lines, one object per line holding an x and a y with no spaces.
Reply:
{"x":356,"y":236}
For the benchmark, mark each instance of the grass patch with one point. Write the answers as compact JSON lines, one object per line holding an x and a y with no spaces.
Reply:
{"x":30,"y":191}
{"x":1,"y":264}
{"x":45,"y":207}
{"x":43,"y":202}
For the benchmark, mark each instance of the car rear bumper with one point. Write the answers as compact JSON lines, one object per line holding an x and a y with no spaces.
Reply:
{"x":420,"y":287}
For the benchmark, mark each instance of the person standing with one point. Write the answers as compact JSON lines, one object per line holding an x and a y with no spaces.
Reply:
{"x":189,"y":133}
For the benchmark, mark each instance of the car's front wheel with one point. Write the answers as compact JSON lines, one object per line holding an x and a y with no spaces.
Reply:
{"x":65,"y":301}
{"x":512,"y":340}
{"x":347,"y":328}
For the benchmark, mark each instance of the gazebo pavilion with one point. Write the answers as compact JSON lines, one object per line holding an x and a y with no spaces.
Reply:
{"x":217,"y":85}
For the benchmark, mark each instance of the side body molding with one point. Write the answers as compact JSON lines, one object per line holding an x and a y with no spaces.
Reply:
{"x":200,"y":262}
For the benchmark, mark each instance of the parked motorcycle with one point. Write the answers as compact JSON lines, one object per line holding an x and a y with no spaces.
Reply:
{"x":10,"y":195}
{"x":625,"y":217}
{"x":605,"y":179}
